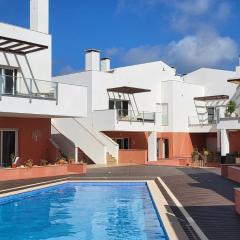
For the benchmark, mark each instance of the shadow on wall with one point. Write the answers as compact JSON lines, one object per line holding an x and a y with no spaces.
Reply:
{"x":66,"y":146}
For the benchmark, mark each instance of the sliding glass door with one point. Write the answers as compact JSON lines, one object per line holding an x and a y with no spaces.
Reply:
{"x":8,"y":146}
{"x":9,"y":81}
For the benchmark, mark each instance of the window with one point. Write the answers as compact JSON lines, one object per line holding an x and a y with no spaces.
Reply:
{"x":122,"y":105}
{"x":9,"y":81}
{"x":162,"y":111}
{"x":123,"y":143}
{"x":211,"y":114}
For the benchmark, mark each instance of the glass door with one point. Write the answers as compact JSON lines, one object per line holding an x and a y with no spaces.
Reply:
{"x":8,"y":146}
{"x":8,"y":80}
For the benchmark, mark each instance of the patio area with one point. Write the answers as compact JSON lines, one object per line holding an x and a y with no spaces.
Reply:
{"x":206,"y":196}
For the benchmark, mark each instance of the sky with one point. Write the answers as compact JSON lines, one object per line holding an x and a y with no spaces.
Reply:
{"x":186,"y":34}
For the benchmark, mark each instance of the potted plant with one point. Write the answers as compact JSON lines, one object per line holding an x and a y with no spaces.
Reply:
{"x":13,"y":158}
{"x":237,"y":159}
{"x":61,"y":159}
{"x":43,"y":162}
{"x":206,"y":153}
{"x":231,"y":107}
{"x":29,"y":163}
{"x":195,"y":154}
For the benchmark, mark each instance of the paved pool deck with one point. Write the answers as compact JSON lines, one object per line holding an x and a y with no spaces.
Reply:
{"x":207,"y":197}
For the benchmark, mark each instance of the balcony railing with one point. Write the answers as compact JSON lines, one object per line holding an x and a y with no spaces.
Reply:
{"x":28,"y":88}
{"x":200,"y":120}
{"x":132,"y":116}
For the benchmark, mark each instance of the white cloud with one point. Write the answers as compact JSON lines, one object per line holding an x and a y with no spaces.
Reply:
{"x":183,"y":15}
{"x":189,"y":53}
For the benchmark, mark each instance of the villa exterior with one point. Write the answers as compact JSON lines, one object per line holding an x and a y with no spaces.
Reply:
{"x":28,"y":96}
{"x":148,"y":110}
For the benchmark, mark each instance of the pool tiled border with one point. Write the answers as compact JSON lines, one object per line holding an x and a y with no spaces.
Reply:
{"x":174,"y":231}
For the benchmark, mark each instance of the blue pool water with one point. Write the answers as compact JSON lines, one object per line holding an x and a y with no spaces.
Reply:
{"x":82,"y":211}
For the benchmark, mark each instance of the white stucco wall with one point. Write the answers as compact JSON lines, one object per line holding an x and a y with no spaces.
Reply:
{"x":166,"y":87}
{"x":213,"y":80}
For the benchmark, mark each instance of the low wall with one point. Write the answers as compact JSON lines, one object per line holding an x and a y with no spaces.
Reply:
{"x":231,"y":171}
{"x":169,"y":162}
{"x":237,"y":200}
{"x":234,"y":173}
{"x":7,"y":174}
{"x":138,"y":156}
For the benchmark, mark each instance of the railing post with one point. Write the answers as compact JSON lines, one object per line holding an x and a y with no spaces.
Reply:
{"x":117,"y":111}
{"x":1,"y":84}
{"x":130,"y":117}
{"x":143,"y":117}
{"x":57,"y":94}
{"x":30,"y":91}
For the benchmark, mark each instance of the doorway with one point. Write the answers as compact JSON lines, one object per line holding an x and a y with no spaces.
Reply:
{"x":165,"y":148}
{"x":162,"y":148}
{"x":8,"y":146}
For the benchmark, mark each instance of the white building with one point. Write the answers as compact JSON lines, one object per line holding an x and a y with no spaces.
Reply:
{"x":147,"y":109}
{"x":28,"y":96}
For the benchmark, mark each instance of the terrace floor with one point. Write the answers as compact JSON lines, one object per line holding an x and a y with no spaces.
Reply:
{"x":207,"y":197}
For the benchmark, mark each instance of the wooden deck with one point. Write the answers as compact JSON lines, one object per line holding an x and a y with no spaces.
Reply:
{"x":207,"y":197}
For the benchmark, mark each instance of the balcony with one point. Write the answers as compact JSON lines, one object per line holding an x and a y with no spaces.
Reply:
{"x":39,"y":98}
{"x":201,"y":123}
{"x":124,"y":120}
{"x":131,"y":116}
{"x":28,"y":88}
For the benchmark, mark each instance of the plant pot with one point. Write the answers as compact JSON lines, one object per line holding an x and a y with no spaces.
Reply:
{"x":14,"y":165}
{"x":237,"y":160}
{"x":61,"y":161}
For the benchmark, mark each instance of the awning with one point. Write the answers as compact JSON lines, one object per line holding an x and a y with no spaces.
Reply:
{"x":18,"y":46}
{"x":234,"y":80}
{"x":128,"y":90}
{"x":212,"y":98}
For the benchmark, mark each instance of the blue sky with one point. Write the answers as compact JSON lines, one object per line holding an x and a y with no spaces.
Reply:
{"x":187,"y":34}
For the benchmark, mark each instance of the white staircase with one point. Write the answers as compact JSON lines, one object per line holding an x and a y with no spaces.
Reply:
{"x":78,"y":133}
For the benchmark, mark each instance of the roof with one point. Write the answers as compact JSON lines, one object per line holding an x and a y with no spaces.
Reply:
{"x":128,"y":90}
{"x":234,"y":80}
{"x":16,"y":46}
{"x":214,"y":97}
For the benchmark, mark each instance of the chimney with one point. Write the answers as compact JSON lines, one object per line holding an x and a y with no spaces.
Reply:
{"x":105,"y":65}
{"x":39,"y":15}
{"x":92,"y":60}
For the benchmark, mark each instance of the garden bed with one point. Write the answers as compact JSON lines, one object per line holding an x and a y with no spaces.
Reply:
{"x":7,"y":174}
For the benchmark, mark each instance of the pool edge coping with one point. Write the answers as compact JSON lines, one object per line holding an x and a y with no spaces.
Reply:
{"x":157,"y":197}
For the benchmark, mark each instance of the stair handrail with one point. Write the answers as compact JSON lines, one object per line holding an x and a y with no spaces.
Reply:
{"x":88,"y":132}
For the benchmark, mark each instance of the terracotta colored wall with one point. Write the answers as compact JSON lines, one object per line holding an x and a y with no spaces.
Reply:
{"x":181,"y":144}
{"x":37,"y":172}
{"x":237,"y":200}
{"x":234,"y":140}
{"x":138,"y":140}
{"x":28,"y":148}
{"x":133,"y":156}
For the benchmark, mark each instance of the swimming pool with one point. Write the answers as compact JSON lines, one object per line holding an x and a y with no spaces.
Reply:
{"x":89,"y":211}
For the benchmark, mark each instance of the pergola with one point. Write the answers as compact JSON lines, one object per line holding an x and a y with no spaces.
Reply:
{"x":212,"y":98}
{"x":235,"y":80}
{"x":16,"y":46}
{"x":126,"y":92}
